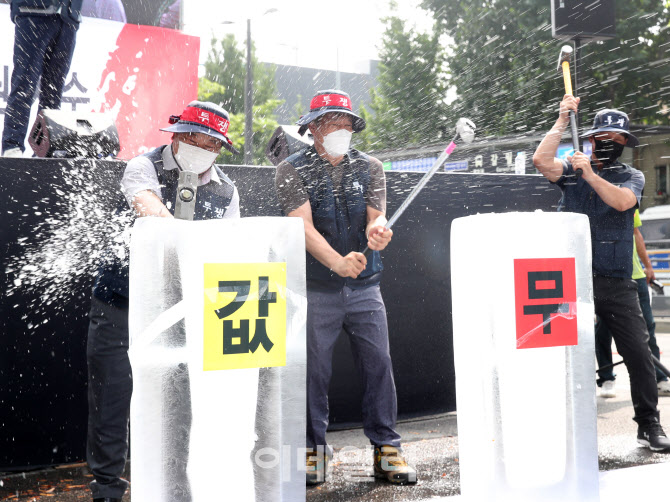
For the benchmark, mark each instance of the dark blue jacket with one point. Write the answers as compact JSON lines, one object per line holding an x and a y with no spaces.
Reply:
{"x":111,"y":285}
{"x":69,"y":10}
{"x":340,"y":220}
{"x":611,"y":230}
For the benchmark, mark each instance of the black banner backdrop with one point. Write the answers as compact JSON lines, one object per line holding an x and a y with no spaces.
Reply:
{"x":43,"y":405}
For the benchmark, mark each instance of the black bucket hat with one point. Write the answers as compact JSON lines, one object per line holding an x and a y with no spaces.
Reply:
{"x":327,"y":102}
{"x":614,"y":121}
{"x":204,"y":117}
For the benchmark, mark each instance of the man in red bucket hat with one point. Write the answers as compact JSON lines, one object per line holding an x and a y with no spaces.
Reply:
{"x":149,"y":185}
{"x":340,"y":193}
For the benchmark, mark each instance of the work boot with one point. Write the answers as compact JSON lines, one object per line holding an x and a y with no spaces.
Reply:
{"x":653,"y":437}
{"x":317,"y":466}
{"x":392,"y":466}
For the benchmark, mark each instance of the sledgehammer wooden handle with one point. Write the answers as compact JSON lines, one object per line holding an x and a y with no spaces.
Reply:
{"x":568,"y":90}
{"x":566,"y":53}
{"x":567,"y":80}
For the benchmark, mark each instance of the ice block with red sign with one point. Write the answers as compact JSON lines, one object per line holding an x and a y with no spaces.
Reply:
{"x":524,"y":357}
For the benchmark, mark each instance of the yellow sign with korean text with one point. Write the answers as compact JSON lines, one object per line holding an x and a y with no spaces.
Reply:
{"x":245,"y":315}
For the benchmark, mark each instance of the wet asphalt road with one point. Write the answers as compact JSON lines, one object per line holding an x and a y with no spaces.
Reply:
{"x":431,"y":445}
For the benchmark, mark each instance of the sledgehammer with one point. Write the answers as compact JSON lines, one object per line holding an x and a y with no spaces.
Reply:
{"x":564,"y":59}
{"x":465,"y":132}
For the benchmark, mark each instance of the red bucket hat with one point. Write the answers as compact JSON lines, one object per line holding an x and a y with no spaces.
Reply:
{"x":326,"y":102}
{"x":203,"y":117}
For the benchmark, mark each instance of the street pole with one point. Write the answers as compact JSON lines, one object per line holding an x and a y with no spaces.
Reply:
{"x":248,"y":104}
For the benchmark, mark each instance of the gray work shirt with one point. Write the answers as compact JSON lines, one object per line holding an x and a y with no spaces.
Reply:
{"x":292,"y":194}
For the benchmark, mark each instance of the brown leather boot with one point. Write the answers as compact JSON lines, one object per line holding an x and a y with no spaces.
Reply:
{"x":392,"y":466}
{"x":317,"y":467}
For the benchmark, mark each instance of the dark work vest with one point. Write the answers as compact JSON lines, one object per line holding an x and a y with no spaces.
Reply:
{"x":340,"y":220}
{"x":111,"y":284}
{"x":611,"y":230}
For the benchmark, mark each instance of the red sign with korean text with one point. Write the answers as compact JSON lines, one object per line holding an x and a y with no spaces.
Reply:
{"x":545,"y":291}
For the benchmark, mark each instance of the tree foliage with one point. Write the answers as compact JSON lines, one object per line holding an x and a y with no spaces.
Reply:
{"x":264,"y":125}
{"x":503,"y":62}
{"x":210,"y":91}
{"x":223,"y":84}
{"x":226,"y":65}
{"x":408,"y":103}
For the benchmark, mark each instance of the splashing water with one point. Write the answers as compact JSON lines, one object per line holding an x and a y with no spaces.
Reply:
{"x":85,"y":228}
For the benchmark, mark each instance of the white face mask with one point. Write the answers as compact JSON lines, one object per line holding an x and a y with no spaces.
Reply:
{"x":337,"y":143}
{"x":193,"y":158}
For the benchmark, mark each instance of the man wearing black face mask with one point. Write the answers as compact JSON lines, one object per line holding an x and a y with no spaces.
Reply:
{"x":608,"y":192}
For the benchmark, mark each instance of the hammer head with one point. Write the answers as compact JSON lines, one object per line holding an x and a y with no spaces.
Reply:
{"x":466,"y":130}
{"x":565,"y":55}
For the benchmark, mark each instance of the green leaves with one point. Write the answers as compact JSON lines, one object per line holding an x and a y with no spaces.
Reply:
{"x":223,"y":84}
{"x":264,"y":124}
{"x":503,"y":64}
{"x":409,"y":102}
{"x":209,"y":91}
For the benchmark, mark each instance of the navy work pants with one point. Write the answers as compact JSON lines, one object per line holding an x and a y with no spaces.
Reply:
{"x":617,"y":305}
{"x":362,"y":315}
{"x":110,"y":386}
{"x":43,"y":48}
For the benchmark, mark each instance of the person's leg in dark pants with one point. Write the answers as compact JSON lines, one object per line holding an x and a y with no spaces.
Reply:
{"x":57,"y":59}
{"x":617,"y":305}
{"x":604,"y":352}
{"x":325,"y":317}
{"x":367,"y":328}
{"x":366,"y":325}
{"x":32,"y":37}
{"x":645,"y":306}
{"x":110,"y":386}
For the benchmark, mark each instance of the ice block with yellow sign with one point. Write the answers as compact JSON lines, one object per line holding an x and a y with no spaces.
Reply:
{"x":524,"y":357}
{"x":217,"y":330}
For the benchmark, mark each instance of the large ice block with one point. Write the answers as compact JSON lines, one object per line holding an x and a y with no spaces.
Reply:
{"x":522,"y":307}
{"x":217,"y":330}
